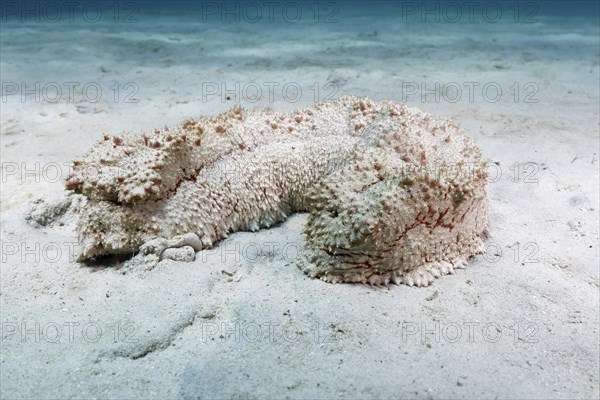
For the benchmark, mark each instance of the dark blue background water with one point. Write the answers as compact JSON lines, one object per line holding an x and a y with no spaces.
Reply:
{"x":246,"y":11}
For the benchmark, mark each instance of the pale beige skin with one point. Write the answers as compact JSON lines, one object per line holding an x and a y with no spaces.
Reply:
{"x":394,"y":194}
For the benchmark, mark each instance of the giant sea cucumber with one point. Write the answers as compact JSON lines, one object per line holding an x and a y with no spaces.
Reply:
{"x":394,"y":194}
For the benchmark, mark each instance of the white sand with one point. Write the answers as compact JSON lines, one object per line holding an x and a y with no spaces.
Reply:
{"x":520,"y":322}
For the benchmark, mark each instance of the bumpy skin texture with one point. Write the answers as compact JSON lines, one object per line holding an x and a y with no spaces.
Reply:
{"x":394,"y":194}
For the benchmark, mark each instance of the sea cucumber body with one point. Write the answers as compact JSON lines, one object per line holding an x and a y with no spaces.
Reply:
{"x":241,"y":192}
{"x":394,"y":194}
{"x":395,"y":225}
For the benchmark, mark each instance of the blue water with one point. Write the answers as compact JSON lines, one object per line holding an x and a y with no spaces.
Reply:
{"x":524,"y":11}
{"x":364,"y":48}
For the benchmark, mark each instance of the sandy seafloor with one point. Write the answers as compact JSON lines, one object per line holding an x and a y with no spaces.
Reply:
{"x":520,"y":322}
